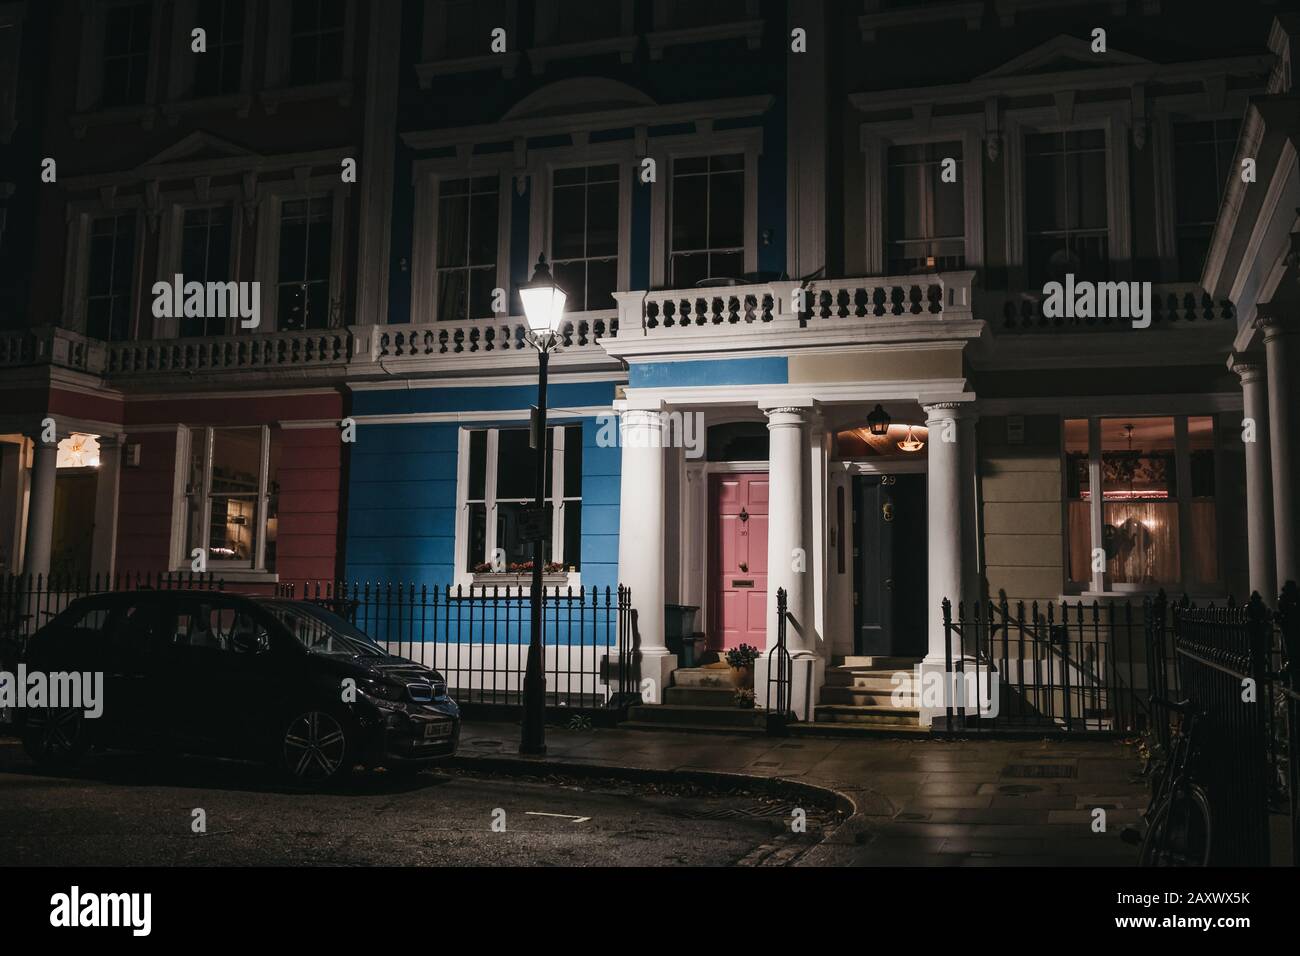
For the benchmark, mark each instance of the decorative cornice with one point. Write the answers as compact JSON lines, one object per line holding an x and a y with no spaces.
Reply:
{"x":1248,"y":365}
{"x":621,"y":118}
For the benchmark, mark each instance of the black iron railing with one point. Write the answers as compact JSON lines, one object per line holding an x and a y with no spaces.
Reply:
{"x":28,"y":602}
{"x":477,"y":637}
{"x":1223,"y":656}
{"x":779,"y":673}
{"x":1059,"y":666}
{"x":1093,"y":667}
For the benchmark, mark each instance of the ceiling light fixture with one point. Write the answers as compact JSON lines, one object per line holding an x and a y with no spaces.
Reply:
{"x":911,"y":442}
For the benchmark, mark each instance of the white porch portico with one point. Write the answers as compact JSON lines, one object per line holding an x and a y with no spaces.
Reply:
{"x":755,"y":357}
{"x":664,"y":497}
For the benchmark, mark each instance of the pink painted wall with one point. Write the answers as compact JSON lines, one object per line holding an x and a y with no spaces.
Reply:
{"x":311,"y":461}
{"x":145,"y":505}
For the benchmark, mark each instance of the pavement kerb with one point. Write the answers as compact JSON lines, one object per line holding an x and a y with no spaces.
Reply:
{"x":532,"y":766}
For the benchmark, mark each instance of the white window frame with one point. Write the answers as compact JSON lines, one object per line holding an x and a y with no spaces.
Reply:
{"x":623,"y":248}
{"x":543,"y":172}
{"x":90,"y":71}
{"x":279,"y":35}
{"x":1059,"y":231}
{"x":928,"y":198}
{"x":77,"y":264}
{"x":550,"y":46}
{"x":429,"y":175}
{"x":667,"y":33}
{"x":11,"y":44}
{"x":1119,"y":227}
{"x":875,"y":139}
{"x":708,"y":174}
{"x":438,"y":59}
{"x":171,"y":233}
{"x":1166,"y":198}
{"x":748,"y":141}
{"x":558,"y":500}
{"x":180,"y":80}
{"x":181,"y":558}
{"x":1100,"y":582}
{"x":273,"y":196}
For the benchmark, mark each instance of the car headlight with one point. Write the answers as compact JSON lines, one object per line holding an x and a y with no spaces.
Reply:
{"x":383,"y":694}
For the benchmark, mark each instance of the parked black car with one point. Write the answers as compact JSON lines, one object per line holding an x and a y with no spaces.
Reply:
{"x":282,"y":681}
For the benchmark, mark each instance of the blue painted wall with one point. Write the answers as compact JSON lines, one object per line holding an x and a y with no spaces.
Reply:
{"x":750,"y":371}
{"x":402,"y":481}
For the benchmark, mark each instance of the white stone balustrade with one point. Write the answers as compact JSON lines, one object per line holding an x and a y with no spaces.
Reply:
{"x":755,"y":316}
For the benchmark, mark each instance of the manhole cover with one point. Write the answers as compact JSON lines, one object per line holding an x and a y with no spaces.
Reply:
{"x":1018,"y":789}
{"x":981,"y":854}
{"x":484,"y":743}
{"x":1041,"y":771}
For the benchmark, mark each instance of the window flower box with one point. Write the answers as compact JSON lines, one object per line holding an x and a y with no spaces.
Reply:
{"x":520,"y":575}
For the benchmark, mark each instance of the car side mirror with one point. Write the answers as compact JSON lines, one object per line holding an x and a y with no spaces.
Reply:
{"x":248,"y":642}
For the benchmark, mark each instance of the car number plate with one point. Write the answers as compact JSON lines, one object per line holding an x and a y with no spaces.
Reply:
{"x":437,"y":728}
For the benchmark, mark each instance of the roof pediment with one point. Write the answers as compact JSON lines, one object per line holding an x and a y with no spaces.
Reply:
{"x":198,"y":147}
{"x":589,"y":94}
{"x":1064,"y":53}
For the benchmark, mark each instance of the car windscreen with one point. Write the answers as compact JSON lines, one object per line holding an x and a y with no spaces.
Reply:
{"x":322,"y":632}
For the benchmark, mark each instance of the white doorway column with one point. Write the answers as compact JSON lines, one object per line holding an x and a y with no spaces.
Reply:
{"x":949,"y":491}
{"x":641,"y":539}
{"x":972,"y":578}
{"x":1283,"y":420}
{"x":104,"y":543}
{"x":13,"y":504}
{"x":790,"y":559}
{"x":1259,"y":494}
{"x":789,"y":538}
{"x":40,"y":510}
{"x":818,"y":523}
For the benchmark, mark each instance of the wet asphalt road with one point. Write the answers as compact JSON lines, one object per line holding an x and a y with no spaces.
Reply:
{"x":124,"y":809}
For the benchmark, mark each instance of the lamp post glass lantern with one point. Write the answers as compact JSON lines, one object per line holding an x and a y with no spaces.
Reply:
{"x":543,"y":301}
{"x":878,"y":421}
{"x":544,"y":308}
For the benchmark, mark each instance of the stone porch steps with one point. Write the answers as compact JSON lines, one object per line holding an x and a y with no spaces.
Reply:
{"x":863,"y":697}
{"x":877,"y":681}
{"x":718,"y":678}
{"x":889,"y":664}
{"x":699,"y":699}
{"x":868,"y":715}
{"x":860,"y":692}
{"x":697,"y":696}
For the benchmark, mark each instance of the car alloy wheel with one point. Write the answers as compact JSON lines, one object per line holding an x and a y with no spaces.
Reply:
{"x":315,"y":746}
{"x":57,"y":736}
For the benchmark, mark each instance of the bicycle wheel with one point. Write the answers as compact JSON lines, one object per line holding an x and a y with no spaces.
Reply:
{"x":1181,"y":831}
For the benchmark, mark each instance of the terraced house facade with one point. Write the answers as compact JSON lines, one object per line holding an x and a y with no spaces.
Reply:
{"x":872,"y":304}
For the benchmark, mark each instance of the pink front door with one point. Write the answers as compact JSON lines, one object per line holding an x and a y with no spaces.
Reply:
{"x":738,"y":560}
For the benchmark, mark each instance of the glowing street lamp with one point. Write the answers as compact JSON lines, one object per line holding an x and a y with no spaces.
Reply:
{"x":544,"y":308}
{"x":543,"y":301}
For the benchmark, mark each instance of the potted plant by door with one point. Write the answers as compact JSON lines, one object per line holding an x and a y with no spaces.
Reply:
{"x":741,"y":658}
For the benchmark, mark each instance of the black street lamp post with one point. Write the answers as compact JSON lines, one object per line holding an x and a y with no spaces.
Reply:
{"x":544,"y":307}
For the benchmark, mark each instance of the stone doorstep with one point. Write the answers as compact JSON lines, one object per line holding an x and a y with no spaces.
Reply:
{"x":669,"y":714}
{"x":709,"y":677}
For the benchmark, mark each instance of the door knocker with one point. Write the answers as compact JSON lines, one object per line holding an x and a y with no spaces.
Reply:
{"x":744,"y":568}
{"x":887,"y":512}
{"x":744,"y":515}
